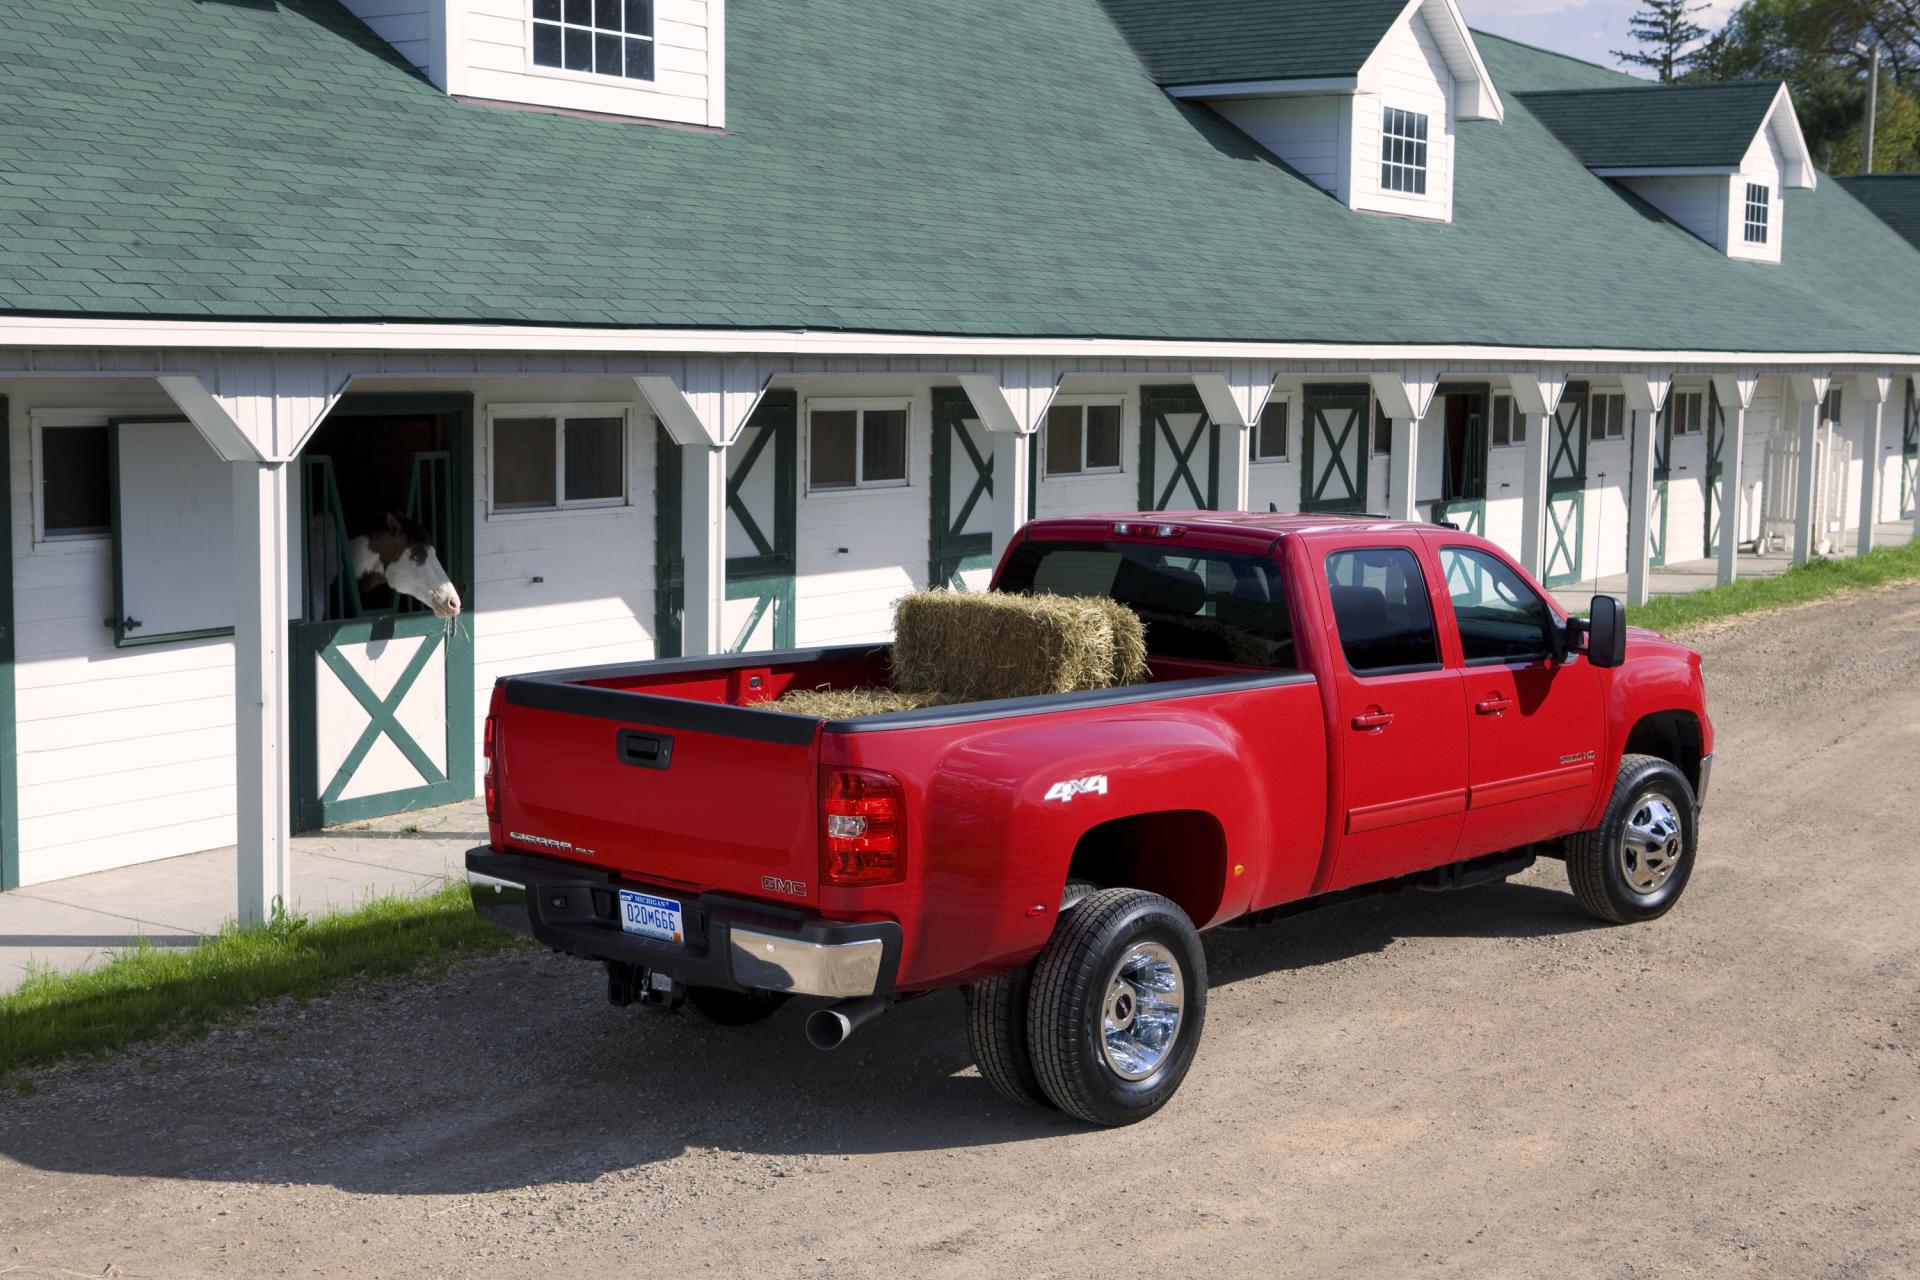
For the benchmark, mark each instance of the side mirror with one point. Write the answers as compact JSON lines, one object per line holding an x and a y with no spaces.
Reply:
{"x":1606,"y":628}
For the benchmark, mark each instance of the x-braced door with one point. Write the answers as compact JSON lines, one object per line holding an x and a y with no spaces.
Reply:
{"x":1657,"y":498}
{"x":1179,"y":451}
{"x":1716,"y":466}
{"x":762,"y":537}
{"x":382,"y":714}
{"x":1566,"y":486}
{"x":962,"y":538}
{"x":1333,"y":476}
{"x":1910,"y":455}
{"x":1463,"y":469}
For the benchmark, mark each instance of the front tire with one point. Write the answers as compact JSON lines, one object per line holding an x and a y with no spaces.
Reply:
{"x":1118,"y":1002}
{"x":1635,"y":865}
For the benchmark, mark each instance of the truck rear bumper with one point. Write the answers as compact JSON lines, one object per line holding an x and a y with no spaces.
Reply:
{"x":733,"y":943}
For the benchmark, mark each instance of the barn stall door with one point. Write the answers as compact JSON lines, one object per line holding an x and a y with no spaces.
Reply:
{"x":172,"y":501}
{"x":962,"y":536}
{"x":1179,"y":451}
{"x":763,"y":476}
{"x":1463,"y":469}
{"x":1716,"y":466}
{"x":383,"y":714}
{"x":1566,"y":486}
{"x":1657,"y":494}
{"x":1334,"y":474}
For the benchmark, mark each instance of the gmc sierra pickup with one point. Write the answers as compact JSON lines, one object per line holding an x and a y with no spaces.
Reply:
{"x":1337,"y":705}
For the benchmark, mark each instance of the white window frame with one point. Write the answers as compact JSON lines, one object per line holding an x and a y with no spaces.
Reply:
{"x":1516,"y":422}
{"x":861,"y":405}
{"x":533,"y":68}
{"x":560,"y":413}
{"x":1765,"y":222}
{"x":1083,"y":403}
{"x":1698,"y":419}
{"x":1419,"y":141}
{"x":38,"y":421}
{"x":1593,"y":417}
{"x":1283,"y":400}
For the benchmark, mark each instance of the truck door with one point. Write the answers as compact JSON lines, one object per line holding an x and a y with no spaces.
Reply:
{"x":1533,"y":725}
{"x":1399,"y":738}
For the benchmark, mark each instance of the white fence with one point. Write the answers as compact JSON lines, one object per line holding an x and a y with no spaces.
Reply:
{"x":1780,"y":488}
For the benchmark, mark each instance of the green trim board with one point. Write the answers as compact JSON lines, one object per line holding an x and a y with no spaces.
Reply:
{"x":1715,"y":467}
{"x":439,"y":493}
{"x":123,"y":622}
{"x":1184,"y":447}
{"x":1910,"y":456}
{"x":1566,"y":487}
{"x":1336,"y":425}
{"x":9,"y":718}
{"x":953,"y":551}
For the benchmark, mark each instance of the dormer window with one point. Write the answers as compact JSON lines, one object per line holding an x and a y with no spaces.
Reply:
{"x":596,"y":37}
{"x":1403,"y":151}
{"x":1759,"y":200}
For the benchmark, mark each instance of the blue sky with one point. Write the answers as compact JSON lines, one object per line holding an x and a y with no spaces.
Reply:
{"x":1584,"y":28}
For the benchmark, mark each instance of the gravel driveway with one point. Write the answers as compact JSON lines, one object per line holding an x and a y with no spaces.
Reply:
{"x":1478,"y":1084}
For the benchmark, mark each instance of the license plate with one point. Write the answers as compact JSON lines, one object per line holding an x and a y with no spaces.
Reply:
{"x":650,"y":917}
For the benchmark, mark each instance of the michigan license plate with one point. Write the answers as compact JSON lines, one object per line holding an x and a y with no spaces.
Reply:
{"x":650,"y":917}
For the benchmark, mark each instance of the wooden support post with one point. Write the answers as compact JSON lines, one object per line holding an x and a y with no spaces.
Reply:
{"x":1012,"y":485}
{"x":1406,"y":396}
{"x":1533,"y":496}
{"x":1403,"y":469}
{"x":261,"y":631}
{"x":1735,"y":392}
{"x":1805,"y":480}
{"x":1640,"y":508}
{"x":703,"y":543}
{"x":1874,"y":388}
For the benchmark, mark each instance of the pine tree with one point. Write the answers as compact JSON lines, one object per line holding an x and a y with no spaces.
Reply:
{"x":1664,"y":29}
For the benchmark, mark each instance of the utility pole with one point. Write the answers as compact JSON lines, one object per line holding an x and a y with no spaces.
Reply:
{"x":1873,"y":103}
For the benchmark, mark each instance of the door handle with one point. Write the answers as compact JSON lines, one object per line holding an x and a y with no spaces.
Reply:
{"x":1372,"y":721}
{"x":1495,"y":705}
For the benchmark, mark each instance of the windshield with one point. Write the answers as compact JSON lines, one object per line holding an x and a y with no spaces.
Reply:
{"x":1217,"y":606}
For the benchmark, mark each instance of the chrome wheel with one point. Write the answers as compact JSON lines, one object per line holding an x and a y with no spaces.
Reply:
{"x":1140,"y":1018}
{"x":1651,"y":844}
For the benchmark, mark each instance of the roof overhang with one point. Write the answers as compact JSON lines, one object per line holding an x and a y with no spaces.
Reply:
{"x":1669,"y":171}
{"x":1302,"y":88}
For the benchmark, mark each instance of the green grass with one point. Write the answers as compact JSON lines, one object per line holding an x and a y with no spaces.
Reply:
{"x":147,"y":991}
{"x":1815,"y":580}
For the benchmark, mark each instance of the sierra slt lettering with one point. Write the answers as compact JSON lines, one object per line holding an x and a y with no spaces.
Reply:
{"x":545,"y":842}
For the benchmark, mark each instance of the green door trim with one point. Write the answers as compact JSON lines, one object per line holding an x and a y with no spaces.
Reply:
{"x":316,"y":802}
{"x":1467,"y":508}
{"x":1566,"y":487}
{"x":1315,"y":401}
{"x":1155,"y":404}
{"x":952,"y":550}
{"x":1716,"y":464}
{"x":9,"y":721}
{"x":1910,"y":456}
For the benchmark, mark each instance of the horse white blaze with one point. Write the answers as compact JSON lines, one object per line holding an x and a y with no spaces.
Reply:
{"x":425,"y":580}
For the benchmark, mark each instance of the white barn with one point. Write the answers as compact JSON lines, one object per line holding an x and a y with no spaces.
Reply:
{"x":686,"y":327}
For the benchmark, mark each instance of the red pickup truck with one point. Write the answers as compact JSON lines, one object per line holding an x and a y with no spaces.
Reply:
{"x":1337,"y":705}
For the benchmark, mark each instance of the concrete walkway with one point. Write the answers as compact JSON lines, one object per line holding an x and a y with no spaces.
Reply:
{"x":71,"y":923}
{"x":1694,"y":575}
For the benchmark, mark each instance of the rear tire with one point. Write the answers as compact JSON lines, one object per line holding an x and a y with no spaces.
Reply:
{"x":997,"y":1030}
{"x":1635,"y":865}
{"x":726,"y":1008}
{"x":1118,"y":1002}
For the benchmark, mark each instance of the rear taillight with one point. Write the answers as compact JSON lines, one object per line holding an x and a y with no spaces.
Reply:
{"x":493,"y":794}
{"x":863,"y":828}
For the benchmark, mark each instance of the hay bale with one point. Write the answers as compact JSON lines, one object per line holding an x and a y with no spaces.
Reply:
{"x":969,"y":647}
{"x":845,"y":704}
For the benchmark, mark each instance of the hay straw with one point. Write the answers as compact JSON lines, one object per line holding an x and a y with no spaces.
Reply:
{"x":845,"y":704}
{"x":969,"y":647}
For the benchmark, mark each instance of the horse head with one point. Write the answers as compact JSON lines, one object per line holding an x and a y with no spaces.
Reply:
{"x":410,"y":566}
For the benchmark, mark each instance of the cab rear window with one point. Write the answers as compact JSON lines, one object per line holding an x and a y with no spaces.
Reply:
{"x":1210,"y":605}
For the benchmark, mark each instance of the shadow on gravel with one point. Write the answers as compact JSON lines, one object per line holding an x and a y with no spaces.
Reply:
{"x":515,"y":1073}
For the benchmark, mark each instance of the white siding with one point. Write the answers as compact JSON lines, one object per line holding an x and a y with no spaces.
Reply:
{"x":489,"y":58}
{"x":1697,"y":202}
{"x":1409,"y":72}
{"x":404,"y":24}
{"x":126,"y":755}
{"x":1311,"y":134}
{"x":1278,"y":483}
{"x":1764,"y":164}
{"x":1687,"y":491}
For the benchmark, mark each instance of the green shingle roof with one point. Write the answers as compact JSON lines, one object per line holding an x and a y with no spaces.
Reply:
{"x":1657,"y":126}
{"x":1894,"y":197}
{"x":985,"y":167}
{"x":1218,"y":41}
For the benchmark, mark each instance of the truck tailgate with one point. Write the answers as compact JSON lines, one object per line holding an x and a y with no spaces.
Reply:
{"x":661,"y":789}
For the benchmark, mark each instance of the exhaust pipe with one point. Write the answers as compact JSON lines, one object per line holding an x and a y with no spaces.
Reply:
{"x":829,"y":1028}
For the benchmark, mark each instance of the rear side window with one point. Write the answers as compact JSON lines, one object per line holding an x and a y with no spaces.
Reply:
{"x":1501,"y":618}
{"x":1215,"y":606}
{"x":1382,"y":611}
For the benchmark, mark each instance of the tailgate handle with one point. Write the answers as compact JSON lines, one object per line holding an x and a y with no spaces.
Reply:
{"x":645,"y":750}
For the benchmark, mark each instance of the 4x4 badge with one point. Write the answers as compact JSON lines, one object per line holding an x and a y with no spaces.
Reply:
{"x":1095,"y":785}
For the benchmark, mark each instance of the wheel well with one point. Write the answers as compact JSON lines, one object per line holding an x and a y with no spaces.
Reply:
{"x":1180,"y":854}
{"x":1673,"y":736}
